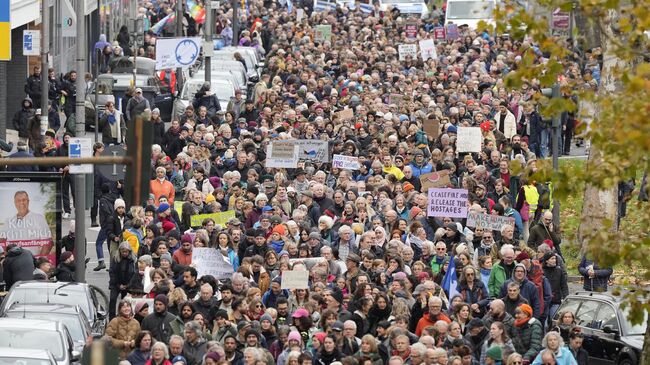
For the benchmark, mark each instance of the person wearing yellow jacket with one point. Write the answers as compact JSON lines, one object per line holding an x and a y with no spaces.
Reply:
{"x":390,"y":168}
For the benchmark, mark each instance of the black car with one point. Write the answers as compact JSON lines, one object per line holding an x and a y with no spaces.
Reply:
{"x":92,"y":300}
{"x":609,"y":337}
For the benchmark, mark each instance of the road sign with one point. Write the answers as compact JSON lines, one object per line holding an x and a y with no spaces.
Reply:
{"x":31,"y":42}
{"x":80,"y":147}
{"x":113,"y":172}
{"x":5,"y":30}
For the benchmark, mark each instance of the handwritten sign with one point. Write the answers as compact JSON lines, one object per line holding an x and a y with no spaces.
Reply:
{"x":323,"y":33}
{"x":411,"y":30}
{"x":428,"y":49}
{"x":346,"y":114}
{"x":469,"y":139}
{"x":406,"y":50}
{"x":300,"y":13}
{"x":439,"y":179}
{"x":282,"y":154}
{"x":439,"y":33}
{"x":295,"y":279}
{"x":452,"y":31}
{"x":345,"y":162}
{"x":221,"y":218}
{"x":489,"y":221}
{"x":447,"y":203}
{"x":209,"y":261}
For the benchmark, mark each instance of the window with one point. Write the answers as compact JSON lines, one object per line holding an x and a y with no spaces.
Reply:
{"x":606,"y":316}
{"x":569,"y":305}
{"x":587,"y":313}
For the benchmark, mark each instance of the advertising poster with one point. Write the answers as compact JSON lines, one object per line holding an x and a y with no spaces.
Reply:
{"x":32,"y":215}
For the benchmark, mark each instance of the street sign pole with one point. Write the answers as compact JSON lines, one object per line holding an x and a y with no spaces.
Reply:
{"x":207,"y":31}
{"x":555,"y":133}
{"x":45,"y":45}
{"x":80,"y":180}
{"x":235,"y":23}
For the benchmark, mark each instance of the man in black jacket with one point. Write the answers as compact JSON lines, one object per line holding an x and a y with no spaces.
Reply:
{"x":65,"y":270}
{"x":159,"y":322}
{"x":22,"y":117}
{"x":18,"y":265}
{"x":33,"y":86}
{"x":120,"y":274}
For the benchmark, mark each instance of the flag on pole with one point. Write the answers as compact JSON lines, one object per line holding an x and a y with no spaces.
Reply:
{"x":160,"y":25}
{"x":450,"y":281}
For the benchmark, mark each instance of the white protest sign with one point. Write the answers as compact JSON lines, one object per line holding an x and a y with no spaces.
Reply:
{"x":407,"y":50}
{"x":282,"y":154}
{"x":428,"y":49}
{"x":469,"y":139}
{"x":450,"y":203}
{"x":313,"y":150}
{"x":295,"y":279}
{"x":209,"y":261}
{"x":300,"y":13}
{"x":177,"y":52}
{"x":345,"y":162}
{"x":489,"y":221}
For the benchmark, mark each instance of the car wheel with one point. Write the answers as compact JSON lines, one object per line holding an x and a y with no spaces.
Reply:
{"x":626,"y":361}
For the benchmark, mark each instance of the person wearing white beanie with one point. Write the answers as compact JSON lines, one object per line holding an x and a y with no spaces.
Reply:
{"x":119,"y":203}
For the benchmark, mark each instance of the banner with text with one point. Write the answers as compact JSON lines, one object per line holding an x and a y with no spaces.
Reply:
{"x":345,"y":162}
{"x":489,"y":221}
{"x":407,"y":50}
{"x":209,"y":261}
{"x":295,"y":279}
{"x":469,"y":139}
{"x":221,"y":218}
{"x":177,"y":52}
{"x":447,"y":203}
{"x":282,"y":154}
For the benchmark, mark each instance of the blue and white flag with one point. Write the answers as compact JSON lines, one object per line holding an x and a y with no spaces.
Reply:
{"x":450,"y":281}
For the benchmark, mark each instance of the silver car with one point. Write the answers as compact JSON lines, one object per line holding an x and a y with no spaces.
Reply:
{"x":14,"y":356}
{"x":39,"y":334}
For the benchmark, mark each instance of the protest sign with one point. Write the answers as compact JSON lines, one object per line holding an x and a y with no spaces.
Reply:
{"x":439,"y":33}
{"x":209,"y":261}
{"x":560,"y":23}
{"x":300,"y":13}
{"x":469,"y":139}
{"x":312,"y":150}
{"x":178,"y":207}
{"x":221,"y":218}
{"x":345,"y":162}
{"x":447,"y":203}
{"x":439,"y":179}
{"x":395,"y":99}
{"x":345,"y":114}
{"x":323,"y":33}
{"x":431,"y":128}
{"x":452,"y":31}
{"x":177,"y":52}
{"x":295,"y":279}
{"x":282,"y":154}
{"x":411,"y":30}
{"x":489,"y":221}
{"x":428,"y":49}
{"x":407,"y":50}
{"x":308,"y":261}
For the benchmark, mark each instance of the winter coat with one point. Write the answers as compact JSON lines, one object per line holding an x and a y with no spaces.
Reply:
{"x":33,"y":88}
{"x":557,"y":278}
{"x":528,"y":339}
{"x":65,"y":272}
{"x":427,"y":321}
{"x":21,"y":119}
{"x":194,"y":352}
{"x":136,"y":107}
{"x":207,"y":309}
{"x":600,"y":279}
{"x":498,"y":276}
{"x":138,"y":357}
{"x":210,"y":102}
{"x":562,"y":357}
{"x":508,"y":322}
{"x":159,"y":324}
{"x":121,"y":330}
{"x":478,"y":294}
{"x":159,"y":133}
{"x":539,"y":233}
{"x":109,"y":130}
{"x":17,"y":266}
{"x":121,"y":272}
{"x":528,"y":291}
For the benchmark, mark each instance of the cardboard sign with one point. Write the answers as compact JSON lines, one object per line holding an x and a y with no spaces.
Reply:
{"x":395,"y":99}
{"x":323,"y":33}
{"x":411,"y":30}
{"x":209,"y":261}
{"x":439,"y":179}
{"x":431,"y":128}
{"x":345,"y":114}
{"x":312,"y":150}
{"x":439,"y":33}
{"x":221,"y":218}
{"x":345,"y":162}
{"x":295,"y":279}
{"x":489,"y":221}
{"x":282,"y":154}
{"x":428,"y":49}
{"x":450,"y":203}
{"x":469,"y":139}
{"x":407,"y":50}
{"x":452,"y":31}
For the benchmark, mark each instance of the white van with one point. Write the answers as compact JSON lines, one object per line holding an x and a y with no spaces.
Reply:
{"x":470,"y":12}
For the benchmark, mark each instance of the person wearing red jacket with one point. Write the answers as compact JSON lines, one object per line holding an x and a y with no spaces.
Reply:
{"x":435,"y":314}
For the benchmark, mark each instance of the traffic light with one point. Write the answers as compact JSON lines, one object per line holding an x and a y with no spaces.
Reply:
{"x":139,"y":139}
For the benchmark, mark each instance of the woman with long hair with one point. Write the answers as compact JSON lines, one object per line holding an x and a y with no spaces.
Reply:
{"x":380,"y":311}
{"x":329,"y":352}
{"x":462,"y":315}
{"x":225,"y":246}
{"x":140,"y":354}
{"x":498,"y":337}
{"x":566,"y":325}
{"x":123,"y":329}
{"x":369,"y":349}
{"x":256,"y":309}
{"x":472,"y":290}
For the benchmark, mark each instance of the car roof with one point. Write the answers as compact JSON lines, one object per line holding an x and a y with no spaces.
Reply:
{"x":24,"y":353}
{"x":44,"y":307}
{"x":24,"y":323}
{"x":39,"y":284}
{"x":595,"y":295}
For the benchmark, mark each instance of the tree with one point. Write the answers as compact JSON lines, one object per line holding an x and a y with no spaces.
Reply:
{"x":620,"y":129}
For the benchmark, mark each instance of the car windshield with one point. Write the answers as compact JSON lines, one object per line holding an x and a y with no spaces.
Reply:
{"x":470,"y":10}
{"x":22,"y":361}
{"x":635,"y":329}
{"x":71,"y":321}
{"x":68,"y":295}
{"x":32,"y":339}
{"x":191,"y":89}
{"x":223,"y":91}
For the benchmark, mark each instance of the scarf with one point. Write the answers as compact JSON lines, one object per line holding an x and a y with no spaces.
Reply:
{"x":521,"y":322}
{"x":404,"y":356}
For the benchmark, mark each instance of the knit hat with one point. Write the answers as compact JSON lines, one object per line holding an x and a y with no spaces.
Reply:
{"x":179,"y":358}
{"x":166,"y":256}
{"x":162,"y":208}
{"x":522,"y":266}
{"x":209,"y":198}
{"x":125,"y":246}
{"x":119,"y":203}
{"x":261,"y":196}
{"x":494,"y":353}
{"x":526,"y":309}
{"x":407,"y":187}
{"x":300,"y":312}
{"x":337,"y":295}
{"x":414,"y":212}
{"x":140,"y":306}
{"x":452,"y":129}
{"x":156,"y":110}
{"x":295,"y":335}
{"x":279,"y":229}
{"x":161,"y":298}
{"x":213,"y":355}
{"x":475,"y":322}
{"x":66,"y":255}
{"x":186,"y":238}
{"x":523,"y":255}
{"x":168,"y":226}
{"x":320,"y":336}
{"x":243,"y":324}
{"x":266,"y":317}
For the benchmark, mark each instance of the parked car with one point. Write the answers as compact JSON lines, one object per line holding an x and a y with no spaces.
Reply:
{"x":71,"y":316}
{"x":223,"y":89}
{"x":251,"y":57}
{"x":39,"y":334}
{"x":470,"y":12}
{"x":92,"y":300}
{"x":10,"y":355}
{"x":609,"y":337}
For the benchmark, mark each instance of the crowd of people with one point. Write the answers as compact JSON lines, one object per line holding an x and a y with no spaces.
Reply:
{"x":379,"y":266}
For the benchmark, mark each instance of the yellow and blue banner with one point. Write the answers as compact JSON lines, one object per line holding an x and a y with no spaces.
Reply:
{"x":5,"y":30}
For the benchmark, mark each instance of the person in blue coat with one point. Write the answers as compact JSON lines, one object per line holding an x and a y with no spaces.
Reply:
{"x":595,"y":277}
{"x":553,"y":342}
{"x":270,"y":298}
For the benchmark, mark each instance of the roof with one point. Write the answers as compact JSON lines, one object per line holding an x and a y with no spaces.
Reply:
{"x":24,"y":353}
{"x":595,"y":295}
{"x":49,"y":285}
{"x":24,"y":323}
{"x":44,"y":308}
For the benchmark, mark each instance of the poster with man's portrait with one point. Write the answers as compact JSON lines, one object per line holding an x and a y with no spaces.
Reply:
{"x":31,"y":212}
